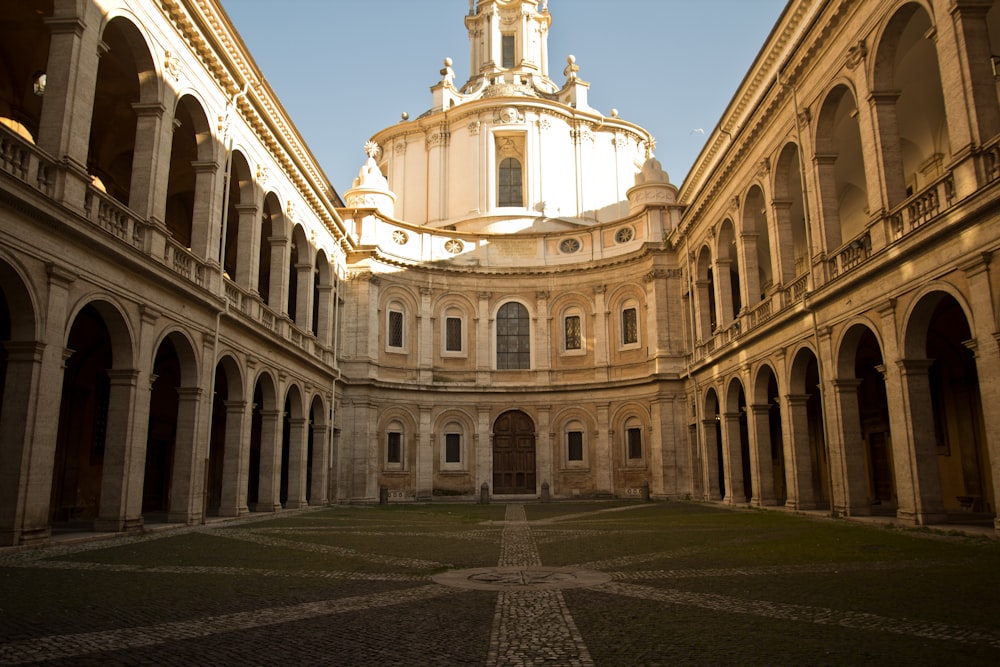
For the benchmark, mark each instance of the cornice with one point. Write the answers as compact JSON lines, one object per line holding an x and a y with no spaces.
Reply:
{"x":210,"y":36}
{"x":755,"y":105}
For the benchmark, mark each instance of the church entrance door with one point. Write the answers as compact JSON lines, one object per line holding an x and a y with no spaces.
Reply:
{"x":513,"y":453}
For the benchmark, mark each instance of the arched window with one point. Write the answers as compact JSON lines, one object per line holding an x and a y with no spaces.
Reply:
{"x":509,"y":179}
{"x":513,"y":337}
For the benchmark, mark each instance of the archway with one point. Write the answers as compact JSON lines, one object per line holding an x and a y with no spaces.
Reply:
{"x":736,"y":444}
{"x":840,"y":166}
{"x":866,"y":437}
{"x":770,"y":455}
{"x":947,"y":420}
{"x":514,"y":453}
{"x":83,"y":420}
{"x":715,"y":477}
{"x":809,"y":481}
{"x":161,"y":432}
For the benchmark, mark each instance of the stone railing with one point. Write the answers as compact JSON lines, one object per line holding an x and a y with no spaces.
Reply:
{"x":114,"y":217}
{"x":920,"y":208}
{"x":32,"y":167}
{"x":26,"y":162}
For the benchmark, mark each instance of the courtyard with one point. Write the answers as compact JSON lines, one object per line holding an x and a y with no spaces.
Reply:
{"x":569,"y":583}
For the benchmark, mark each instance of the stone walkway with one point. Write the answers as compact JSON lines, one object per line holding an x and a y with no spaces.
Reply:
{"x":531,"y":622}
{"x":531,"y":626}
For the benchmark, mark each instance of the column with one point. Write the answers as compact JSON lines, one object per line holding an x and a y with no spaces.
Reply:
{"x":543,"y":451}
{"x":484,"y":448}
{"x":298,"y":434}
{"x":798,"y":453}
{"x":543,"y":346}
{"x":207,"y":214}
{"x":320,"y":465}
{"x":425,"y":337}
{"x":150,"y":161}
{"x":71,"y":81}
{"x":751,"y":270}
{"x":710,"y":433}
{"x":974,"y":58}
{"x":924,"y":504}
{"x":761,"y":464}
{"x":185,"y":483}
{"x":847,"y":452}
{"x":425,"y":455}
{"x":120,"y":457}
{"x":601,"y":339}
{"x":20,"y":396}
{"x":235,"y":460}
{"x":724,"y":287}
{"x":268,"y":493}
{"x":248,"y":249}
{"x":732,"y":459}
{"x":604,"y":460}
{"x":883,"y":106}
{"x":484,"y":343}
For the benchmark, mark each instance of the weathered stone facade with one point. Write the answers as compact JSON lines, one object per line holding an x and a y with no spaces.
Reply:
{"x":194,"y":322}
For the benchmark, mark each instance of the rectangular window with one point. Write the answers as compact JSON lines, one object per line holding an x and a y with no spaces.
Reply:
{"x":507,"y":42}
{"x":630,"y":327}
{"x":453,"y":334}
{"x":634,"y":436}
{"x":575,"y":442}
{"x":394,"y":448}
{"x":573,"y":335}
{"x":395,"y":328}
{"x":453,"y":448}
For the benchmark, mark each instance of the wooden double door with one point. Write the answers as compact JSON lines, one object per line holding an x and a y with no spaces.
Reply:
{"x":514,"y":454}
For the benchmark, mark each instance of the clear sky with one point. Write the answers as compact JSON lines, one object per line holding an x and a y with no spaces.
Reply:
{"x":345,"y":69}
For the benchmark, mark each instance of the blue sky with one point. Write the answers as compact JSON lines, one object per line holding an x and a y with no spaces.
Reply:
{"x":344,"y":69}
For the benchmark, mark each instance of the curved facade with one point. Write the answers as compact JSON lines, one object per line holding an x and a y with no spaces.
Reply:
{"x":194,"y":323}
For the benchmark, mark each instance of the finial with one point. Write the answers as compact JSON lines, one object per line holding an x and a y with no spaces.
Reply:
{"x":447,"y":73}
{"x":372,"y":149}
{"x":571,"y":68}
{"x":404,"y":116}
{"x":614,"y":113}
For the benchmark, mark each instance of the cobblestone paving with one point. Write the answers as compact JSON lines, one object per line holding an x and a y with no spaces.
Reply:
{"x":351,"y":611}
{"x":531,"y":627}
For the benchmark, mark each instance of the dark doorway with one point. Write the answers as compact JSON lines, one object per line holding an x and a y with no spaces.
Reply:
{"x":514,"y":453}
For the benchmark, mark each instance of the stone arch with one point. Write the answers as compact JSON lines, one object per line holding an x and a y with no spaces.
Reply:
{"x":99,"y":373}
{"x":317,"y":451}
{"x":400,"y":420}
{"x":840,"y":165}
{"x":512,"y":334}
{"x":736,"y":443}
{"x":226,"y":437}
{"x":241,"y":223}
{"x":191,"y":176}
{"x":262,"y":487}
{"x":170,"y":484}
{"x":756,"y":242}
{"x":24,"y":50}
{"x":942,"y":386}
{"x":727,"y":273}
{"x":705,"y":304}
{"x":768,"y":452}
{"x":909,"y":103}
{"x":126,"y":80}
{"x":514,"y":455}
{"x":789,"y":207}
{"x":272,"y":273}
{"x":868,"y":480}
{"x":809,"y":478}
{"x":294,"y":440}
{"x":711,"y":426}
{"x":300,"y":277}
